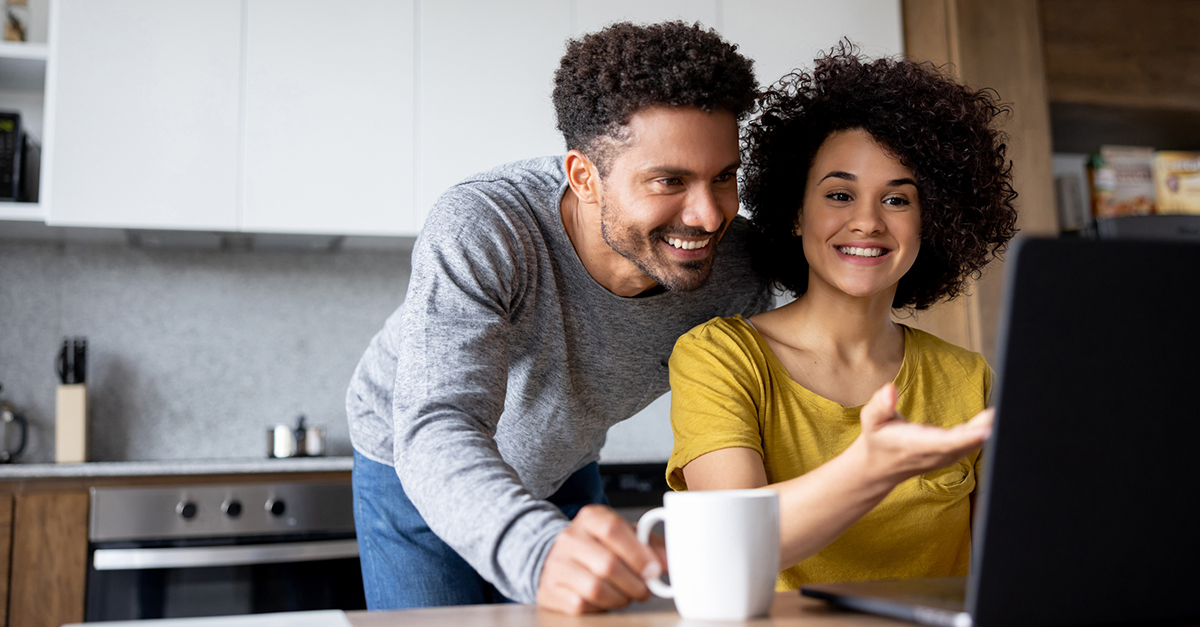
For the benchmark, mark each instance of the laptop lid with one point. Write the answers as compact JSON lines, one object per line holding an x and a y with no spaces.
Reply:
{"x":1088,"y":512}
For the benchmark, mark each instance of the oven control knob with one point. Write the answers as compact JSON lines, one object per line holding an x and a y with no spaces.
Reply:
{"x":187,"y":509}
{"x":276,"y":507}
{"x":232,"y":509}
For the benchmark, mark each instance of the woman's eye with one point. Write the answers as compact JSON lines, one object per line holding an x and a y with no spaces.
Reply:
{"x":896,"y":201}
{"x":839,"y":197}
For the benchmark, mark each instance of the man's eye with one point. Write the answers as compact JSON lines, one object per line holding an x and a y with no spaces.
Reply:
{"x":726,"y":177}
{"x":670,"y":181}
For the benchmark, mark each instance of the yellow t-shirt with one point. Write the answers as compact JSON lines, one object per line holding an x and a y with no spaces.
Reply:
{"x":729,"y":390}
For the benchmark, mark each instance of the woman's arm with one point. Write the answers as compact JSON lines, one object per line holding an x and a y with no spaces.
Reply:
{"x":817,"y":507}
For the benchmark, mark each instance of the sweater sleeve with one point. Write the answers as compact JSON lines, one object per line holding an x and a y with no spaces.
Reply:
{"x":469,"y":272}
{"x":716,"y":392}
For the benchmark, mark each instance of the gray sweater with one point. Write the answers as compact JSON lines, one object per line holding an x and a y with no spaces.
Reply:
{"x":500,"y":374}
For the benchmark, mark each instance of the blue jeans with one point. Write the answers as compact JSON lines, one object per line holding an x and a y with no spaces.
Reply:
{"x":404,"y":564}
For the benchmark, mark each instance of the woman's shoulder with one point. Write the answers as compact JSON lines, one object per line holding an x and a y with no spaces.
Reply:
{"x":938,"y":354}
{"x":725,"y":339}
{"x":721,"y":330}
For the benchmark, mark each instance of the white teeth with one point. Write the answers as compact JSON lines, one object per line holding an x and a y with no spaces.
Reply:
{"x":861,"y":252}
{"x":686,"y":245}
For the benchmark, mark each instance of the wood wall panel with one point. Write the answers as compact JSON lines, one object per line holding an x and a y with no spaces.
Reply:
{"x":994,"y":44}
{"x":50,"y":554}
{"x":1123,"y":53}
{"x":6,"y":513}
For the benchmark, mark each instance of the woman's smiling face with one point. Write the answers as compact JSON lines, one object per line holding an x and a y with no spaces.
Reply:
{"x":861,"y":217}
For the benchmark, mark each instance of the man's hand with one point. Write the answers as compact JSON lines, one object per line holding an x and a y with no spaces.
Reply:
{"x":596,"y":564}
{"x":897,"y":449}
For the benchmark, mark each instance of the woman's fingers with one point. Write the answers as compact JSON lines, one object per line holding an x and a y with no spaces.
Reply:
{"x":880,"y":409}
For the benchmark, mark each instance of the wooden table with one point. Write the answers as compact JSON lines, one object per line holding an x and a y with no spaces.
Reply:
{"x":789,"y":609}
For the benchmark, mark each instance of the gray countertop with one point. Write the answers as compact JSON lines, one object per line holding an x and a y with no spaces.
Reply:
{"x":175,"y":467}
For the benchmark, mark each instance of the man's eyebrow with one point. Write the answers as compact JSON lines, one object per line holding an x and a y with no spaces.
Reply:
{"x":681,"y":172}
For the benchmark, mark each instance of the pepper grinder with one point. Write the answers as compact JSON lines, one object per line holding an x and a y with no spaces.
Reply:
{"x":300,"y":433}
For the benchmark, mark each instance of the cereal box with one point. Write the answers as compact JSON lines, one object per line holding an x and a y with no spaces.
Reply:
{"x":1122,"y":183}
{"x":1177,"y":182}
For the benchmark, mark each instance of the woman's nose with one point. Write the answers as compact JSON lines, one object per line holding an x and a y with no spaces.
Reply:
{"x":866,"y":219}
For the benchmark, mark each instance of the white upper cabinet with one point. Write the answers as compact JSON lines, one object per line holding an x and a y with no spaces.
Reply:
{"x":486,"y":72}
{"x":783,"y":35}
{"x":329,"y":117}
{"x":142,"y":114}
{"x":352,"y":117}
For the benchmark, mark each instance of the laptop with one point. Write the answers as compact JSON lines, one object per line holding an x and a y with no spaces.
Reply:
{"x":1089,"y":505}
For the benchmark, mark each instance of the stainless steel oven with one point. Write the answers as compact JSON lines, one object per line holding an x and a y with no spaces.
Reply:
{"x":212,"y":550}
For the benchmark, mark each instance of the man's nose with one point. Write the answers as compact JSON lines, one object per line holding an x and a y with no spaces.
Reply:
{"x":704,"y":211}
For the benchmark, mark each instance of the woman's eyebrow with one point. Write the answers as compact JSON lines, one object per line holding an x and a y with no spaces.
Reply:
{"x":838,"y":174}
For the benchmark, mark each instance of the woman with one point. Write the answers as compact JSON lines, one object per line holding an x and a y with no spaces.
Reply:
{"x":874,"y":187}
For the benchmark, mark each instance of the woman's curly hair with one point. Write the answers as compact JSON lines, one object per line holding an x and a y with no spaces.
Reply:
{"x":607,"y":76}
{"x":939,"y":129}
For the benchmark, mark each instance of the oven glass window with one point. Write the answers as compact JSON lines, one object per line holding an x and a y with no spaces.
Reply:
{"x":224,"y":590}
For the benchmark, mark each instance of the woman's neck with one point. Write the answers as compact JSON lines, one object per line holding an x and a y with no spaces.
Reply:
{"x":845,"y":328}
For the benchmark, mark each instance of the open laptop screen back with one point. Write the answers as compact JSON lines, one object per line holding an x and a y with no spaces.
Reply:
{"x":1092,"y":476}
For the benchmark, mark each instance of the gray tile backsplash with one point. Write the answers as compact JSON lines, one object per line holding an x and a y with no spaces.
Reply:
{"x":193,"y":354}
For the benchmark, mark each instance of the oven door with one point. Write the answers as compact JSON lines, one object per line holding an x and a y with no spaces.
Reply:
{"x":225,"y":576}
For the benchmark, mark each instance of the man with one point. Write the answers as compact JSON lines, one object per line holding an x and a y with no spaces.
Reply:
{"x":545,"y":299}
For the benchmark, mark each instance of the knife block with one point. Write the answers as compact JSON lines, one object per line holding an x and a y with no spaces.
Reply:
{"x":70,"y":424}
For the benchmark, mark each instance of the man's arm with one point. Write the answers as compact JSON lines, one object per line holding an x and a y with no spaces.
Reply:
{"x":468,"y":274}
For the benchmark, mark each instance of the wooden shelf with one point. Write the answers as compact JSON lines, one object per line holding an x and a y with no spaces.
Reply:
{"x":1120,"y":72}
{"x":1083,"y":128}
{"x":22,"y":66}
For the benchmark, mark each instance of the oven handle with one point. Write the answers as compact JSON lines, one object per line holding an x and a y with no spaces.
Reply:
{"x":239,"y":555}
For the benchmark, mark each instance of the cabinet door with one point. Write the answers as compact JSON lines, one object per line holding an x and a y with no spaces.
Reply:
{"x":142,"y":121}
{"x":782,"y":35}
{"x":329,"y":117}
{"x":49,"y":559}
{"x":486,"y":73}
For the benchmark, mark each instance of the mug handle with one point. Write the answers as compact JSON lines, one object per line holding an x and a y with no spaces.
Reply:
{"x":645,"y":525}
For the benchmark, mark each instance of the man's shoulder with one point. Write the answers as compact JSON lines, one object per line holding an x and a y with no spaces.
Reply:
{"x":511,"y":198}
{"x":539,"y":173}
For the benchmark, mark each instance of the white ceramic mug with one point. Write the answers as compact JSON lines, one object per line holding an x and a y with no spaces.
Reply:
{"x":722,"y":551}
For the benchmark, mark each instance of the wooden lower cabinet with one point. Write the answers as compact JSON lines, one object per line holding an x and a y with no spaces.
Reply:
{"x":6,"y":512}
{"x":49,"y":559}
{"x":44,"y":538}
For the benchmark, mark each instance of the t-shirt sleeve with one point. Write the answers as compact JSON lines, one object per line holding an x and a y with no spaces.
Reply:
{"x":468,"y":273}
{"x":716,"y":391}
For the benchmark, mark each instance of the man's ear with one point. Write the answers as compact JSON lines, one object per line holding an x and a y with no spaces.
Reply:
{"x":583,"y":177}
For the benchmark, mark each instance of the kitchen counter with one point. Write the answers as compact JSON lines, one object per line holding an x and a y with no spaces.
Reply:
{"x":789,"y":609}
{"x":186,"y":467}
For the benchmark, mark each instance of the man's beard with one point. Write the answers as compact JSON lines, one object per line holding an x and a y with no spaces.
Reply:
{"x":645,"y":254}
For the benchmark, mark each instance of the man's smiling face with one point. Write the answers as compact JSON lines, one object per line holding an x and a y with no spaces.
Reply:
{"x":671,"y":192}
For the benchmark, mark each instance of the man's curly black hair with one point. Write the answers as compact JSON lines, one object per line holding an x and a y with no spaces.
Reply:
{"x":607,"y":76}
{"x":939,"y":129}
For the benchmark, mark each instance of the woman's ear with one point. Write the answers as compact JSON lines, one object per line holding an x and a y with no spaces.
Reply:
{"x":583,"y":177}
{"x":797,"y":230}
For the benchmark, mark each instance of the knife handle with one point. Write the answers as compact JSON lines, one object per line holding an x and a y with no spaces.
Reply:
{"x":79,"y":366}
{"x":62,"y":365}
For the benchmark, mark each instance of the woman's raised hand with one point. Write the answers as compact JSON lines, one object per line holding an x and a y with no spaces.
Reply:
{"x":896,"y":449}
